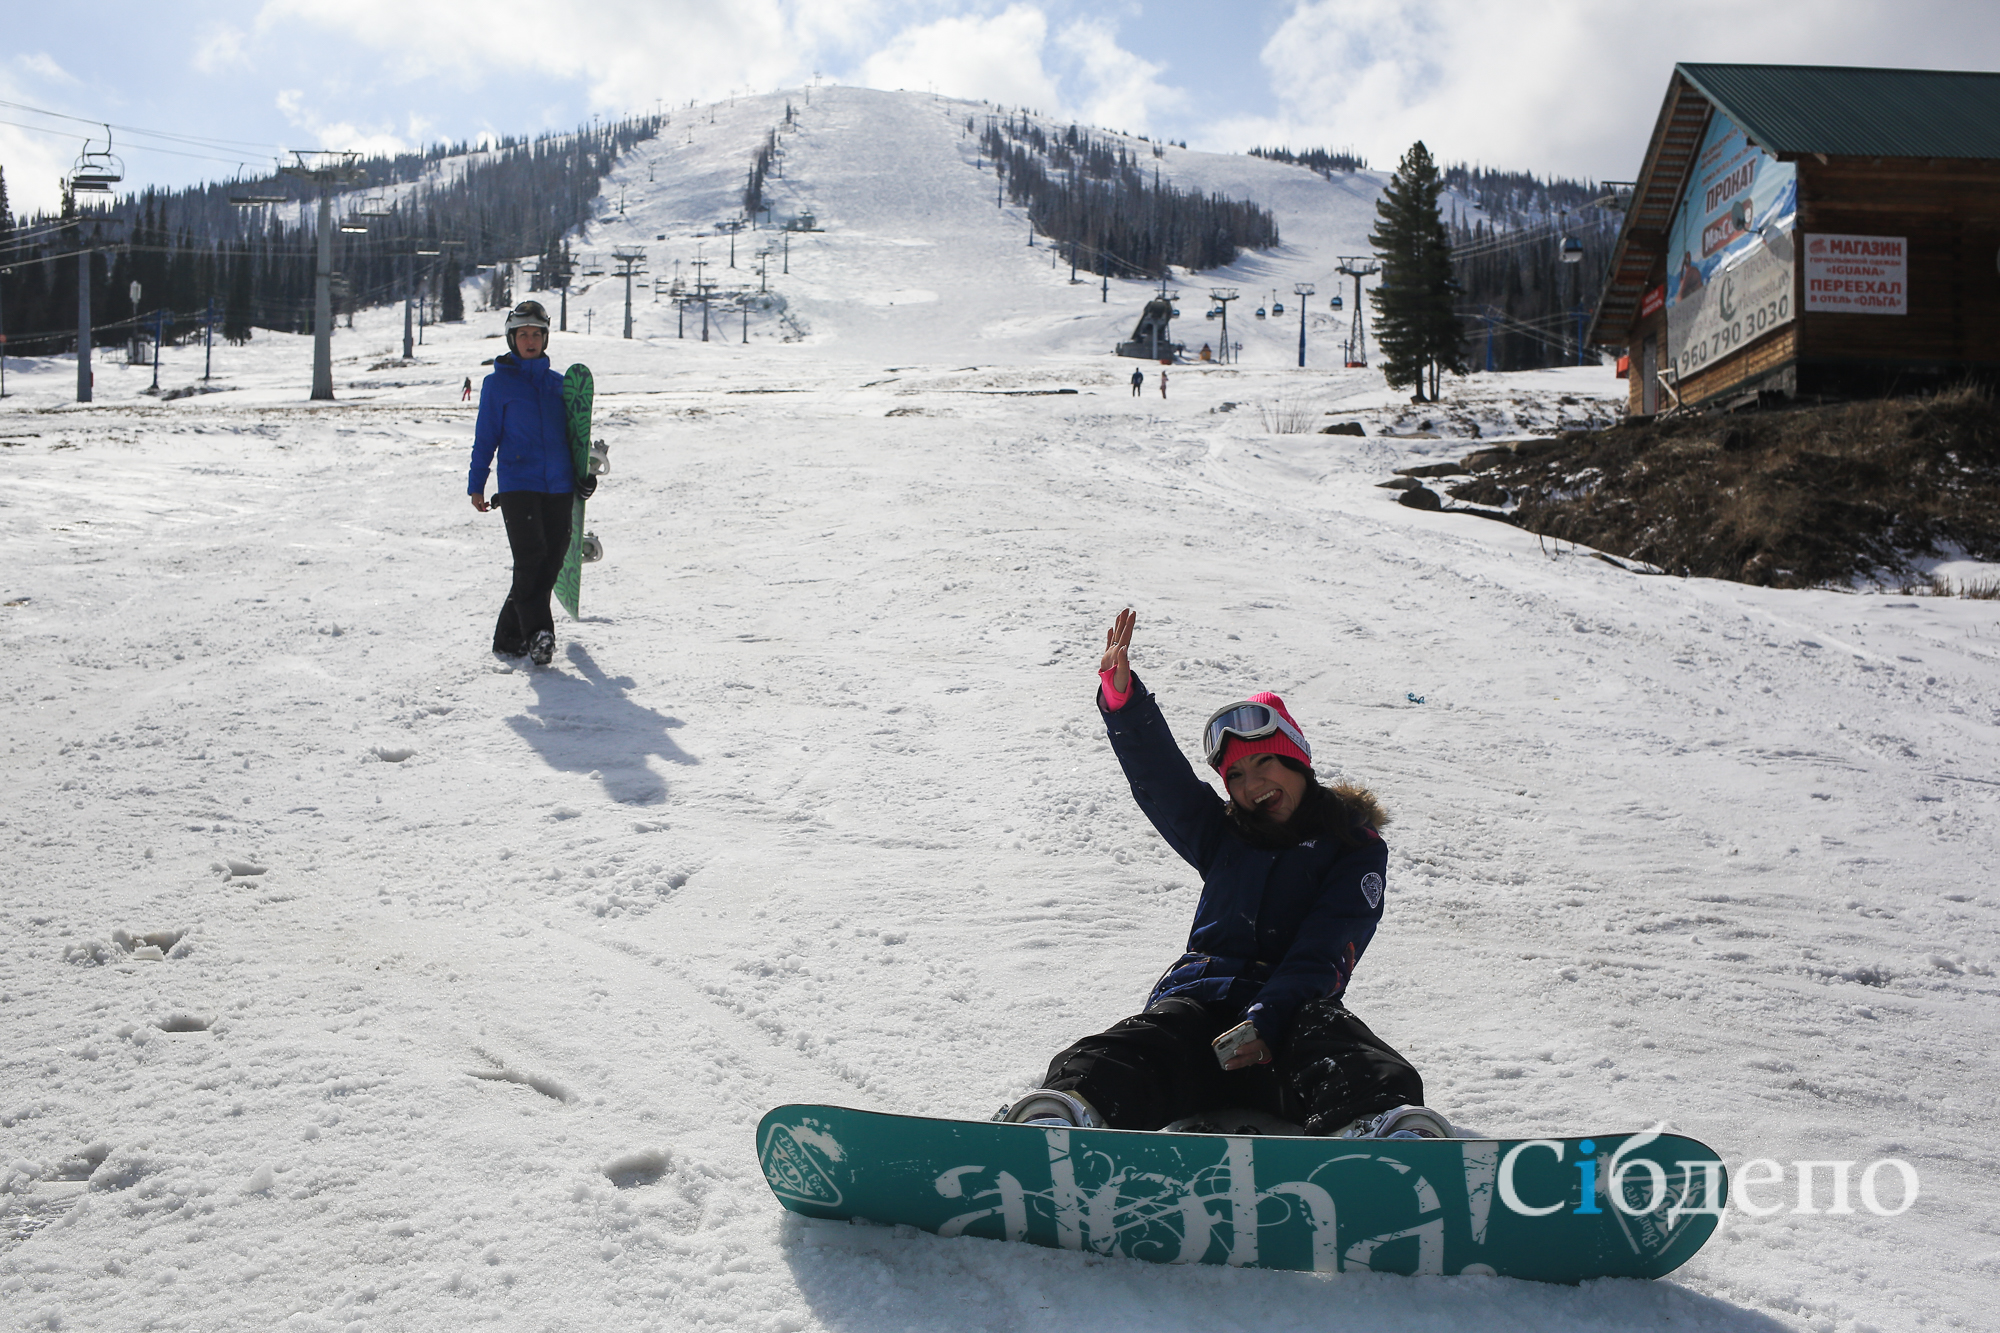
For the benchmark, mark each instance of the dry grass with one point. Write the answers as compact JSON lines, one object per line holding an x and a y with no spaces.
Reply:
{"x":1797,"y":498}
{"x":1289,"y":416}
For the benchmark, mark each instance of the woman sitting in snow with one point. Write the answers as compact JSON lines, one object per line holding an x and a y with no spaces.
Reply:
{"x":1251,"y":1016}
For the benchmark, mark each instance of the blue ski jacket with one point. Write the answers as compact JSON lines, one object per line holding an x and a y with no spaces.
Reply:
{"x":521,"y":418}
{"x":1274,"y":928}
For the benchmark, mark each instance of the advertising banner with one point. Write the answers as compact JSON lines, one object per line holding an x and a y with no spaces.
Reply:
{"x":1729,"y":258}
{"x":1858,"y":275}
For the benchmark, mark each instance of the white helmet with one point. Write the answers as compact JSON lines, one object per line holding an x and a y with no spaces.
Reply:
{"x":527,"y":315}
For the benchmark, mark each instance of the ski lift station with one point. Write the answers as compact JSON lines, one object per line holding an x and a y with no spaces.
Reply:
{"x":1152,"y":337}
{"x":1806,"y":231}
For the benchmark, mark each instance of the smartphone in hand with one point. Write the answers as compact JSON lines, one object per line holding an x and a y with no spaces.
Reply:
{"x":1229,"y":1043}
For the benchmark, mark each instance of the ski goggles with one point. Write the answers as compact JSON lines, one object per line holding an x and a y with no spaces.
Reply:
{"x":528,"y":315}
{"x":1246,"y":721}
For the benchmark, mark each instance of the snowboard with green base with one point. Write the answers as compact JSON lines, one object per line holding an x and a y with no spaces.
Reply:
{"x":1552,"y":1210}
{"x":577,"y":393}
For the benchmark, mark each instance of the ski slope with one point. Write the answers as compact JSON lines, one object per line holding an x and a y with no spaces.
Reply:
{"x":356,"y":979}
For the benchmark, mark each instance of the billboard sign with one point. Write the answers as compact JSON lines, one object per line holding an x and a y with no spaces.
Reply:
{"x":1858,"y":275}
{"x":1729,"y":256}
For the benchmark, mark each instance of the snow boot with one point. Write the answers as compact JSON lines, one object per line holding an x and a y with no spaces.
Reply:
{"x":1045,"y":1106}
{"x":542,"y":650}
{"x":1401,"y":1122}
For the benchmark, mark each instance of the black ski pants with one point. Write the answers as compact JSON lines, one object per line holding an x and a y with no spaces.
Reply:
{"x":1156,"y":1067}
{"x":538,"y":532}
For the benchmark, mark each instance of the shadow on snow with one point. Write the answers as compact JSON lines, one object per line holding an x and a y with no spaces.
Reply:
{"x":592,"y":725}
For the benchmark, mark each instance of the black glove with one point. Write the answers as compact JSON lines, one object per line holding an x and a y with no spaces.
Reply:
{"x":586,"y":487}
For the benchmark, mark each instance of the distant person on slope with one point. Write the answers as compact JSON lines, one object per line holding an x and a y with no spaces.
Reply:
{"x":521,"y":418}
{"x":1163,"y":384}
{"x":1251,"y":1017}
{"x":466,"y":396}
{"x":1138,"y":382}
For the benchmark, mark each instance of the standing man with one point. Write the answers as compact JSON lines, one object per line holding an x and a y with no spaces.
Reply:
{"x":466,"y":396}
{"x":1138,"y":382}
{"x":1163,"y":384}
{"x":521,"y":419}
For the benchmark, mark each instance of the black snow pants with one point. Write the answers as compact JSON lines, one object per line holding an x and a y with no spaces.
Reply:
{"x":538,"y":532}
{"x":1156,"y":1067}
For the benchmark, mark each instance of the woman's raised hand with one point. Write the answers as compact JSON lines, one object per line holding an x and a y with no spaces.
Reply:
{"x":1117,"y":657}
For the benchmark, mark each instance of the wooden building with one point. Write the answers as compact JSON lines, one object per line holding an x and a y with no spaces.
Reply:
{"x":1812,"y":232}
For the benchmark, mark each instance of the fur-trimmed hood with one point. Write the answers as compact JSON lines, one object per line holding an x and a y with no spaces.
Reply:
{"x":1340,"y":812}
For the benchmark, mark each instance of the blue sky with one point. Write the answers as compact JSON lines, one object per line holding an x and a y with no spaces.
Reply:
{"x":1562,"y":86}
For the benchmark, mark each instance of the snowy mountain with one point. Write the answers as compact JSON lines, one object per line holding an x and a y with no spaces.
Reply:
{"x":915,"y":259}
{"x":357,"y":979}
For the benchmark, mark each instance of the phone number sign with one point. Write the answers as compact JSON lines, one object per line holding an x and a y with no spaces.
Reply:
{"x":1858,"y":275}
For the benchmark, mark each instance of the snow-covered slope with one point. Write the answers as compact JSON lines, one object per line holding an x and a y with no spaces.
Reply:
{"x":474,"y":981}
{"x":918,"y":259}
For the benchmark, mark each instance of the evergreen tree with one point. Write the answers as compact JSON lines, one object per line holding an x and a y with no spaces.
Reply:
{"x":451,"y":300}
{"x":1416,"y":324}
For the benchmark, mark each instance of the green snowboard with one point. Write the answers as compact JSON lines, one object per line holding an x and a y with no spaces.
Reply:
{"x":576,"y":391}
{"x":1553,"y":1210}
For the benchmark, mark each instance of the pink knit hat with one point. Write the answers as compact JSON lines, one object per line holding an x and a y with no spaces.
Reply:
{"x":1275,"y":743}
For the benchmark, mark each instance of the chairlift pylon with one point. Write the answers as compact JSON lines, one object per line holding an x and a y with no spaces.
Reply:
{"x":97,"y":171}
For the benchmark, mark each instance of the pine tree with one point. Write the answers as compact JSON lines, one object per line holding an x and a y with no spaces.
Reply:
{"x":1416,"y":325}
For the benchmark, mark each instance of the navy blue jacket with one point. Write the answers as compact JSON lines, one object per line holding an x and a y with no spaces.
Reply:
{"x":521,"y":418}
{"x":1273,"y":928}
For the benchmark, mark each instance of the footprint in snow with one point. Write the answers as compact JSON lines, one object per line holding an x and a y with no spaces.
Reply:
{"x":152,"y":946}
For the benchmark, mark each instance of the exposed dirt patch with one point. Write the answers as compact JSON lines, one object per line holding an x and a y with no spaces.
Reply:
{"x":1789,"y":499}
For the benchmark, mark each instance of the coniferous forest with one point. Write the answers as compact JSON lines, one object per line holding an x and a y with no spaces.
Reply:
{"x":192,"y":250}
{"x":1520,"y":301}
{"x":1107,"y":212}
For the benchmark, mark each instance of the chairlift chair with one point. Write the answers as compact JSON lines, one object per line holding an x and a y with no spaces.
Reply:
{"x":1277,"y":307}
{"x":1572,"y":250}
{"x":97,"y":171}
{"x":1337,"y":303}
{"x":1261,"y":312}
{"x":374,"y":206}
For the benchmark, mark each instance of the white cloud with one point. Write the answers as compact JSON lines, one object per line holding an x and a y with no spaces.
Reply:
{"x":43,"y":66}
{"x":996,"y":57}
{"x":623,"y":53}
{"x":1076,"y":71}
{"x":1118,"y":90}
{"x":1564,"y":86}
{"x":221,"y":48}
{"x":336,"y":135}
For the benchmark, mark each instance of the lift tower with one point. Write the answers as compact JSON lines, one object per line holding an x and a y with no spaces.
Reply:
{"x":629,"y":262}
{"x":1357,"y":267}
{"x":1222,"y":296}
{"x":326,"y":170}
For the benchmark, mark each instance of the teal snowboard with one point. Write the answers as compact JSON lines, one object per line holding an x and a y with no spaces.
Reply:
{"x":576,"y":392}
{"x":1554,"y":1210}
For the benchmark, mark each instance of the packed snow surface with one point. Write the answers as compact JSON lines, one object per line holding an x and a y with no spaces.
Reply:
{"x":355,"y":978}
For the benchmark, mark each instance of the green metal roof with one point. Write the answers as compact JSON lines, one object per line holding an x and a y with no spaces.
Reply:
{"x":1848,"y":112}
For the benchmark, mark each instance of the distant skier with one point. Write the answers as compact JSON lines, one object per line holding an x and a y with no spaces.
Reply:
{"x":467,"y":395}
{"x":521,"y":418}
{"x":1138,"y":382}
{"x":1163,"y":384}
{"x":1251,"y":1016}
